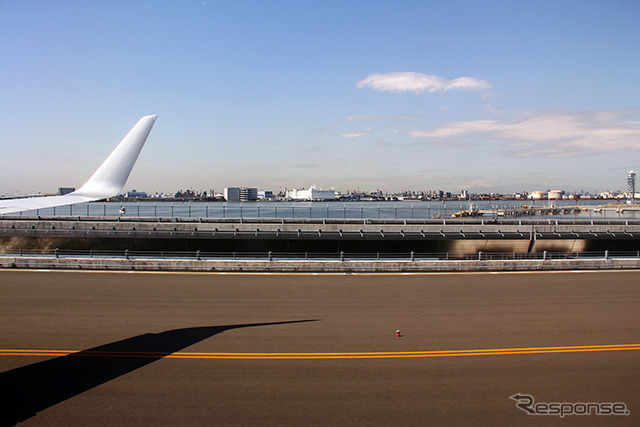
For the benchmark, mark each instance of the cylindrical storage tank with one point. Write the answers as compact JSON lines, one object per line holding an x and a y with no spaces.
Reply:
{"x":537,"y":195}
{"x":555,"y":194}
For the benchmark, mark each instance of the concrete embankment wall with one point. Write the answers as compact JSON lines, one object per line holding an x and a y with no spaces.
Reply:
{"x":327,"y":266}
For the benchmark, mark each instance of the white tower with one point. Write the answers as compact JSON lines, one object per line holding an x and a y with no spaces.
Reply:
{"x":631,"y":185}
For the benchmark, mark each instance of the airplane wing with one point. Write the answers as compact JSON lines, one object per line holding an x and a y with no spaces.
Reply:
{"x":107,"y":181}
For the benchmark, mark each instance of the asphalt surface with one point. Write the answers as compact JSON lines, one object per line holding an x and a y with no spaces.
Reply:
{"x":153,"y":348}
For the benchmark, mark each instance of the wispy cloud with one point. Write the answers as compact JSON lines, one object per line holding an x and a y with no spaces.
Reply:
{"x":493,"y":110}
{"x":360,"y":117}
{"x":396,"y":118}
{"x":551,"y":134}
{"x":355,"y":134}
{"x":380,"y":121}
{"x":484,"y":182}
{"x":418,"y":83}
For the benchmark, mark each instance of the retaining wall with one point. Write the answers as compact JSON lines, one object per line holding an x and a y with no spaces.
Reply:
{"x":372,"y":266}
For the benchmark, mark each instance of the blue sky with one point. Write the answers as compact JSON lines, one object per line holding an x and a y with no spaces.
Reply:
{"x":424,"y":95}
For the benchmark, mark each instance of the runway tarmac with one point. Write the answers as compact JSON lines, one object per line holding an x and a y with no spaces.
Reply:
{"x":97,"y":348}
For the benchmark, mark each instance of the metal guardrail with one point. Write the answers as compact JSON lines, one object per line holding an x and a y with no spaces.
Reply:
{"x":364,"y":221}
{"x":381,"y":234}
{"x":334,"y":209}
{"x":309,"y":229}
{"x":333,"y":256}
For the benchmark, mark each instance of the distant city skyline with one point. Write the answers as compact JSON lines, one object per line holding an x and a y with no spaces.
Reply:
{"x":283,"y":191}
{"x":494,"y":96}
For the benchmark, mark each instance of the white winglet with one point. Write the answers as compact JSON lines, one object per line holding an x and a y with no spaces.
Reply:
{"x":111,"y":176}
{"x":107,"y":181}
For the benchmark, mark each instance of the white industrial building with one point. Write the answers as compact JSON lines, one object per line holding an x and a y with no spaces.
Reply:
{"x":311,"y":194}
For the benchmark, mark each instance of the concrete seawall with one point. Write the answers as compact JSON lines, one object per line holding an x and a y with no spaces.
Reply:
{"x":347,"y":266}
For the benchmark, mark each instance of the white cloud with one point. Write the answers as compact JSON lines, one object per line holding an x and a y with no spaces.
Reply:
{"x":484,"y":182}
{"x":493,"y":110}
{"x":361,"y":117}
{"x":380,"y":121}
{"x":372,"y":117}
{"x":355,"y":134}
{"x":418,"y":83}
{"x":551,"y":134}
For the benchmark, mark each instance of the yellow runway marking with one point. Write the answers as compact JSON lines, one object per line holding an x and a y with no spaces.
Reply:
{"x":354,"y":355}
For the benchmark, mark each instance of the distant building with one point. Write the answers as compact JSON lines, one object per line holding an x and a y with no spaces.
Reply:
{"x":536,"y":195}
{"x":232,"y":194}
{"x":555,"y":194}
{"x":311,"y":194}
{"x":631,"y":185}
{"x":240,"y":194}
{"x":248,"y":194}
{"x":65,"y":190}
{"x":135,"y":194}
{"x":265,"y":194}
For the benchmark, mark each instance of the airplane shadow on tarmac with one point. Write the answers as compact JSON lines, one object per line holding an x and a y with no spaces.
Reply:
{"x":33,"y":388}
